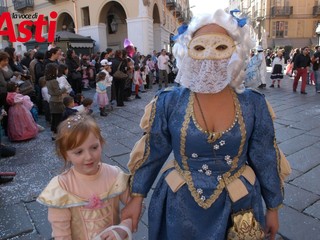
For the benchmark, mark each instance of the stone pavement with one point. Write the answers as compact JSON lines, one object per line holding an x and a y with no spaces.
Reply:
{"x":298,"y":133}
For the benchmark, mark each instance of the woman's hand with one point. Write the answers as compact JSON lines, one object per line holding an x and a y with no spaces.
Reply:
{"x":133,"y":210}
{"x":272,"y":224}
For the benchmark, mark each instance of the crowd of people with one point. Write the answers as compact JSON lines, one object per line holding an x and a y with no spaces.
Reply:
{"x":45,"y":79}
{"x":51,"y":83}
{"x":301,"y":64}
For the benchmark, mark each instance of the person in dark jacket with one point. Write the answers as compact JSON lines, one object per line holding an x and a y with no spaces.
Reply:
{"x":68,"y":103}
{"x":301,"y":69}
{"x":74,"y":75}
{"x":119,"y":84}
{"x":5,"y":75}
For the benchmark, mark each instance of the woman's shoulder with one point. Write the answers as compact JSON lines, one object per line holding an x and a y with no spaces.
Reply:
{"x":173,"y":92}
{"x":251,"y":95}
{"x":172,"y":97}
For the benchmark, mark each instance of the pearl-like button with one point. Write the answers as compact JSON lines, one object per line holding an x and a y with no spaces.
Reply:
{"x":194,"y":155}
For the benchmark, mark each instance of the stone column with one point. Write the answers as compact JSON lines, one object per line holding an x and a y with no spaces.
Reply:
{"x":140,"y":33}
{"x":97,"y":33}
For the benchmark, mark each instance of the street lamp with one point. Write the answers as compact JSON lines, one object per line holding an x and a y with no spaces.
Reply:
{"x":318,"y":33}
{"x":114,"y":25}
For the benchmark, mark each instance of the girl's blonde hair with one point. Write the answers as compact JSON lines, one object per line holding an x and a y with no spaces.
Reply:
{"x":73,"y":131}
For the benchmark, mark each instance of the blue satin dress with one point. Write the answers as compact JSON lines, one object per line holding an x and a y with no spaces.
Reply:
{"x":202,"y":208}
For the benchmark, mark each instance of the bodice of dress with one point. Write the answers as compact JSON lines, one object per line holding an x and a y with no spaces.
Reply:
{"x":208,"y":165}
{"x":88,"y":214}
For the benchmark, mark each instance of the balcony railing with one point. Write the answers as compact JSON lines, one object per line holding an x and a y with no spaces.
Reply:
{"x":257,"y":15}
{"x":281,"y":11}
{"x":171,"y":4}
{"x":316,"y":10}
{"x":22,"y":4}
{"x":3,"y":9}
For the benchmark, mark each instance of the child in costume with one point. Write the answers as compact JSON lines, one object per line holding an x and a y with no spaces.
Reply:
{"x":226,"y":159}
{"x":101,"y":95}
{"x":107,"y":70}
{"x":137,"y":81}
{"x":21,"y":124}
{"x":277,"y":69}
{"x":84,"y":200}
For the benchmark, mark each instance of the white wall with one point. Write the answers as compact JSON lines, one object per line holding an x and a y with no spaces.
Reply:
{"x":139,"y":31}
{"x":97,"y":33}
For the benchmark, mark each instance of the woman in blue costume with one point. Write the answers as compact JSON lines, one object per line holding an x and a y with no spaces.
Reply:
{"x":222,"y":136}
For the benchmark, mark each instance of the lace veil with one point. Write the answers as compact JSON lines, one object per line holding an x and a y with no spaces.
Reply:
{"x":238,"y":61}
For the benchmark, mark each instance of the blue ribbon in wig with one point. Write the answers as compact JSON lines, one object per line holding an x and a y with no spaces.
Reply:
{"x":241,"y":21}
{"x":181,"y":30}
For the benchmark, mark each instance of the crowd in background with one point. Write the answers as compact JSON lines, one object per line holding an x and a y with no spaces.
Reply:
{"x":300,"y":63}
{"x":52,"y":84}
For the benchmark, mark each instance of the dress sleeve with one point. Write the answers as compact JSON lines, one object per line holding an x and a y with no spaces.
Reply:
{"x":60,"y":222}
{"x":264,"y":156}
{"x":152,"y":150}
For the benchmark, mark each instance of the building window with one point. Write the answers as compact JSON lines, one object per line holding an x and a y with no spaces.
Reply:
{"x":85,"y":16}
{"x":45,"y":27}
{"x":300,"y":28}
{"x":281,"y":3}
{"x":280,"y":29}
{"x":315,"y":25}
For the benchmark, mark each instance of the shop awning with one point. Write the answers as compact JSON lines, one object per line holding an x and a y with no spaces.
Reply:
{"x":81,"y":45}
{"x":281,"y":42}
{"x":301,"y":42}
{"x":294,"y":42}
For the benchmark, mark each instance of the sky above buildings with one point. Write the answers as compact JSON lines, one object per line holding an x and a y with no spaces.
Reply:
{"x":199,"y":6}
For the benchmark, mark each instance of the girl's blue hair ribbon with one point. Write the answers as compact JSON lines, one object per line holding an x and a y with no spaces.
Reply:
{"x":181,"y":30}
{"x":241,"y":21}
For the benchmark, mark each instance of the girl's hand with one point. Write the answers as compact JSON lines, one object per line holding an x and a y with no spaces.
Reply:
{"x":133,"y":210}
{"x":272,"y":224}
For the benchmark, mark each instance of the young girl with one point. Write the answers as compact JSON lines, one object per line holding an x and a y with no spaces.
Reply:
{"x":57,"y":94}
{"x":144,"y":73}
{"x":84,"y":200}
{"x":21,"y":125}
{"x":62,"y":79}
{"x":101,"y":93}
{"x":46,"y":99}
{"x":107,"y":69}
{"x":277,"y":69}
{"x":137,"y":80}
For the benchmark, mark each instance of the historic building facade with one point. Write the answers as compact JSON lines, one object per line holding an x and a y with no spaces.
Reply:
{"x":147,"y":23}
{"x":282,"y":22}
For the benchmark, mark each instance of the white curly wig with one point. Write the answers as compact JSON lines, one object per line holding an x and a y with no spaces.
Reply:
{"x":240,"y":35}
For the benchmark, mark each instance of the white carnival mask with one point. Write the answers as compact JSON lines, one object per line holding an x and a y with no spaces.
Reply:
{"x":216,"y":46}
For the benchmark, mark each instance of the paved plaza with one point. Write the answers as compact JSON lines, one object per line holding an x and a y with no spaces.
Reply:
{"x":298,"y":134}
